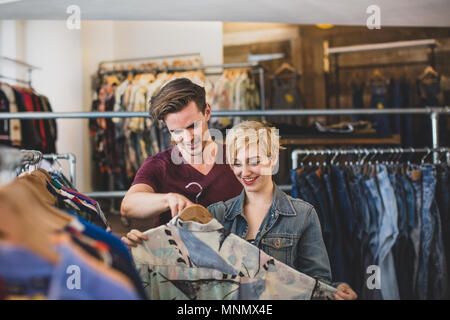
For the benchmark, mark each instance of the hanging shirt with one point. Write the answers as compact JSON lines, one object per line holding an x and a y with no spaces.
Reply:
{"x":14,"y":124}
{"x":190,"y":260}
{"x":164,"y":176}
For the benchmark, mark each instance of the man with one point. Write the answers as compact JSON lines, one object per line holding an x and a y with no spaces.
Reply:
{"x":193,"y":171}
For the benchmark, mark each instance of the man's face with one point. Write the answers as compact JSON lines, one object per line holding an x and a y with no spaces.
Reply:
{"x":189,"y":128}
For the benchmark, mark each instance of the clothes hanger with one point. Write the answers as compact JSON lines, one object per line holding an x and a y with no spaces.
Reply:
{"x":377,"y":76}
{"x":285,"y":67}
{"x":196,"y":213}
{"x":429,"y":72}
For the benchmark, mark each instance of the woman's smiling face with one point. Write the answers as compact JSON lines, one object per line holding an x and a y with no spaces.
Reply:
{"x":252,"y":168}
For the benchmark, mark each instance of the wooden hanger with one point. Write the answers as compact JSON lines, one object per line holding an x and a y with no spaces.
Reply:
{"x":285,"y":67}
{"x":429,"y":72}
{"x":196,"y":213}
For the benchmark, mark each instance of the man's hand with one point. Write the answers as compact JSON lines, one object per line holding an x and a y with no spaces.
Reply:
{"x":134,"y":237}
{"x":345,"y":293}
{"x":177,"y":203}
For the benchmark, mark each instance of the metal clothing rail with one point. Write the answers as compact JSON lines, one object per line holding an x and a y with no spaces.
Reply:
{"x":225,"y":113}
{"x":65,"y":156}
{"x":432,"y":112}
{"x":33,"y":157}
{"x":364,"y":151}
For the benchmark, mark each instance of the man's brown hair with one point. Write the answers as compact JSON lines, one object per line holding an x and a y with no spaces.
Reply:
{"x":174,"y":96}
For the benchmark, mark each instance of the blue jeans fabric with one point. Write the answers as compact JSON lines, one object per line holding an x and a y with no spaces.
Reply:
{"x":379,"y":100}
{"x":338,"y":259}
{"x":405,"y":251}
{"x":428,"y":96}
{"x":373,"y":199}
{"x":427,"y":232}
{"x":345,"y":209}
{"x":437,"y":272}
{"x":442,"y":198}
{"x":357,"y":99}
{"x":396,"y":102}
{"x":294,"y":189}
{"x":407,"y":122}
{"x":361,"y":226}
{"x":317,"y":187}
{"x":388,"y":236}
{"x":415,"y":232}
{"x":402,"y":249}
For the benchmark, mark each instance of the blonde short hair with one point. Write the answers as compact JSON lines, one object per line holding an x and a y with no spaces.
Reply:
{"x":248,"y":132}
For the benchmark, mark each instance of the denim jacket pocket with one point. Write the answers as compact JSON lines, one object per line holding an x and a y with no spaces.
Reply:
{"x":279,"y":248}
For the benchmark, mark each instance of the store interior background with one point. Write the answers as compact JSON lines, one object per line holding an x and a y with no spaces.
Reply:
{"x":68,"y":58}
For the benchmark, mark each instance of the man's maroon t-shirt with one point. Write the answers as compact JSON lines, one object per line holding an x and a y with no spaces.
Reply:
{"x":164,"y":176}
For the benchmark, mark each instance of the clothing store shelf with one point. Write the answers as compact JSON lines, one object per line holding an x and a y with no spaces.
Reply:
{"x":394,"y":139}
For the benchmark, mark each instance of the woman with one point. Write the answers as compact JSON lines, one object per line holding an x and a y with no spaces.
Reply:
{"x":287,"y":229}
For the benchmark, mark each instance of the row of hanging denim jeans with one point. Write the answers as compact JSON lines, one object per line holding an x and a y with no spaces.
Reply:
{"x":392,"y":217}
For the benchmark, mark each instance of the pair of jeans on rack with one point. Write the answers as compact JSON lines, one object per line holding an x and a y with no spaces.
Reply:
{"x":379,"y":100}
{"x":432,"y":277}
{"x":401,"y":97}
{"x":428,"y":91}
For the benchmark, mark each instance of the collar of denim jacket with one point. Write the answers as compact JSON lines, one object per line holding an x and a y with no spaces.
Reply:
{"x":211,"y":226}
{"x":280,"y":204}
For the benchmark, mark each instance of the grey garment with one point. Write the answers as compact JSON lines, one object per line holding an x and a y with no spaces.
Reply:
{"x":388,"y":236}
{"x":286,"y":95}
{"x":290,"y":232}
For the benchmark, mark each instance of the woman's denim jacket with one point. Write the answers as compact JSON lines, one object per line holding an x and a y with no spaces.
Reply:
{"x":290,"y":232}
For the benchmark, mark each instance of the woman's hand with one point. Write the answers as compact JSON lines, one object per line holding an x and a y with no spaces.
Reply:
{"x":345,"y":293}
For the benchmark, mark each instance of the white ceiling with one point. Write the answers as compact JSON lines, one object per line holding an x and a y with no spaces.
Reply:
{"x":339,"y":12}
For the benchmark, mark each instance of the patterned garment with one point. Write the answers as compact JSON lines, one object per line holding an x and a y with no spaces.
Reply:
{"x":188,"y":260}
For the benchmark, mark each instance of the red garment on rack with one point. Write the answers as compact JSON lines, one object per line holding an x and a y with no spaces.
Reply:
{"x":33,"y":106}
{"x":38,"y":107}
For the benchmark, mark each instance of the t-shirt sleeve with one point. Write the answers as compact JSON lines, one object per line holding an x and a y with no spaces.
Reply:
{"x":150,"y":173}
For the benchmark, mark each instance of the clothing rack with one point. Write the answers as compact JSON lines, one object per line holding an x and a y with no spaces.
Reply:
{"x":33,"y":157}
{"x":336,"y":51}
{"x":242,"y":65}
{"x":364,"y":151}
{"x":65,"y":156}
{"x":432,"y":112}
{"x":29,"y":68}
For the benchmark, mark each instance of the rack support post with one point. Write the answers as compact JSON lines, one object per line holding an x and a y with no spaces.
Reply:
{"x":434,"y":116}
